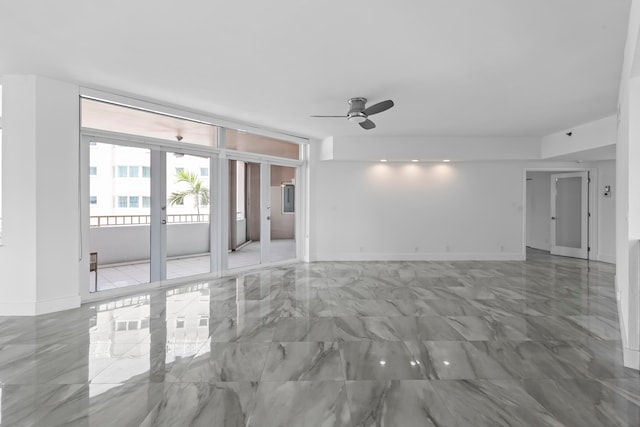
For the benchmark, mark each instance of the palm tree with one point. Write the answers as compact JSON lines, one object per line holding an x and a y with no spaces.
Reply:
{"x":196,"y":188}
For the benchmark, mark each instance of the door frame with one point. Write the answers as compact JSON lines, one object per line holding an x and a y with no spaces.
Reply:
{"x":219,"y":188}
{"x":592,"y":208}
{"x":265,"y":163}
{"x":584,"y":250}
{"x":158,"y":233}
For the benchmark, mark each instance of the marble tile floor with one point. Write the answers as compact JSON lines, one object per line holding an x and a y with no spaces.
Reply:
{"x":532,"y":343}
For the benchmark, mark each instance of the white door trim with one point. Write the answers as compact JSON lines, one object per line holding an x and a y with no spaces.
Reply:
{"x":583,"y":250}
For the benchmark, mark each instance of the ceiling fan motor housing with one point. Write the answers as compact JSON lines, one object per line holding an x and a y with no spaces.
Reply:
{"x":356,"y":111}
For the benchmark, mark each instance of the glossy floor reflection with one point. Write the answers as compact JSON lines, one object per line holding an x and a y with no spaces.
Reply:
{"x":532,"y":343}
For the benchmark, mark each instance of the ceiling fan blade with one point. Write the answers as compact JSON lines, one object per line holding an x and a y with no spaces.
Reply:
{"x":367,"y":124}
{"x":342,"y":117}
{"x":379,"y":107}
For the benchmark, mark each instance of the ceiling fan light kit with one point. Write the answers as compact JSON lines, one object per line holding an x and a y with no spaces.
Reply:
{"x":358,"y":113}
{"x":357,"y":118}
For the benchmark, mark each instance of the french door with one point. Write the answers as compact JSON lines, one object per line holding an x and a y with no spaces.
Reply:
{"x":150,"y":216}
{"x":156,"y":213}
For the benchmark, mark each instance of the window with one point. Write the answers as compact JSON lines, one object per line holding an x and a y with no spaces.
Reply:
{"x":93,"y":200}
{"x":203,"y":321}
{"x":93,"y":170}
{"x":122,"y":171}
{"x":180,"y":322}
{"x":204,"y":171}
{"x":122,"y":201}
{"x":133,"y":202}
{"x":146,"y":172}
{"x":132,"y":325}
{"x":133,"y":171}
{"x":146,"y":201}
{"x":250,"y":143}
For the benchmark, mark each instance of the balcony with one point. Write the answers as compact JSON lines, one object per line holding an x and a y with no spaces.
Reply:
{"x":123,"y":246}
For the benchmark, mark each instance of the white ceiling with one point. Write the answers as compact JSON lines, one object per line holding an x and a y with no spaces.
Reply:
{"x":453,"y":67}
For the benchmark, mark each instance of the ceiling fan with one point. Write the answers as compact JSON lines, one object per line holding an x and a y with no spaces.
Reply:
{"x":359,"y":114}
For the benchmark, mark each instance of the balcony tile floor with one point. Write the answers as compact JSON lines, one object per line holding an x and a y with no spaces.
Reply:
{"x":121,"y":276}
{"x":532,"y":343}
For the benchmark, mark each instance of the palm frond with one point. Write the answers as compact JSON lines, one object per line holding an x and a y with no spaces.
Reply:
{"x":195,"y":187}
{"x":177,"y":197}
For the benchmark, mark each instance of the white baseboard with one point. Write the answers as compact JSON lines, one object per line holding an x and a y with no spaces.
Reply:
{"x":542,"y":247}
{"x":34,"y":308}
{"x":426,"y":256}
{"x":611,"y":259}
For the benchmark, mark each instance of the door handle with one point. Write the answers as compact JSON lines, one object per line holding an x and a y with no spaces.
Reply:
{"x":164,"y":221}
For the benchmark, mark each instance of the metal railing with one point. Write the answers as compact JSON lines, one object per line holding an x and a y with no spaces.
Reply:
{"x":116,"y":220}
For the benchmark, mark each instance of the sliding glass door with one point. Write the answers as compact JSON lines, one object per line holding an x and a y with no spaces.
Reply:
{"x":282,"y":213}
{"x":262,"y":214}
{"x":245,"y":224}
{"x":152,"y":212}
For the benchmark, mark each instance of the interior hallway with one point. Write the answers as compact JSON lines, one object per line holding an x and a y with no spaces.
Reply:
{"x":336,"y":344}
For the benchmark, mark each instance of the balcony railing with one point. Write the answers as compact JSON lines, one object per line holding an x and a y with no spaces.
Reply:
{"x":116,"y":220}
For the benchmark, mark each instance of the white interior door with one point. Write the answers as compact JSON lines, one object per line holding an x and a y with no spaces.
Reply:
{"x":570,"y":214}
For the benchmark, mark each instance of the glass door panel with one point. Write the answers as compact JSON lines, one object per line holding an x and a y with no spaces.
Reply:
{"x":187,"y":215}
{"x":119,"y":215}
{"x":570,"y":214}
{"x":244,"y":214}
{"x":282,"y":192}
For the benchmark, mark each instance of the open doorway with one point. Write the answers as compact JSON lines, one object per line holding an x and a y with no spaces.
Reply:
{"x":558,"y":205}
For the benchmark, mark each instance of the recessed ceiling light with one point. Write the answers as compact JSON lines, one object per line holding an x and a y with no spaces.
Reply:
{"x":415,"y":160}
{"x":446,"y":160}
{"x":383,"y":160}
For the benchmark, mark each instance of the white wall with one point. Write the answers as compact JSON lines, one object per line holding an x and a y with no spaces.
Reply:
{"x":539,"y":209}
{"x":606,"y":250}
{"x":628,"y":194}
{"x":40,"y":254}
{"x":283,"y":225}
{"x":416,"y":211}
{"x":372,"y":148}
{"x":457,"y":210}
